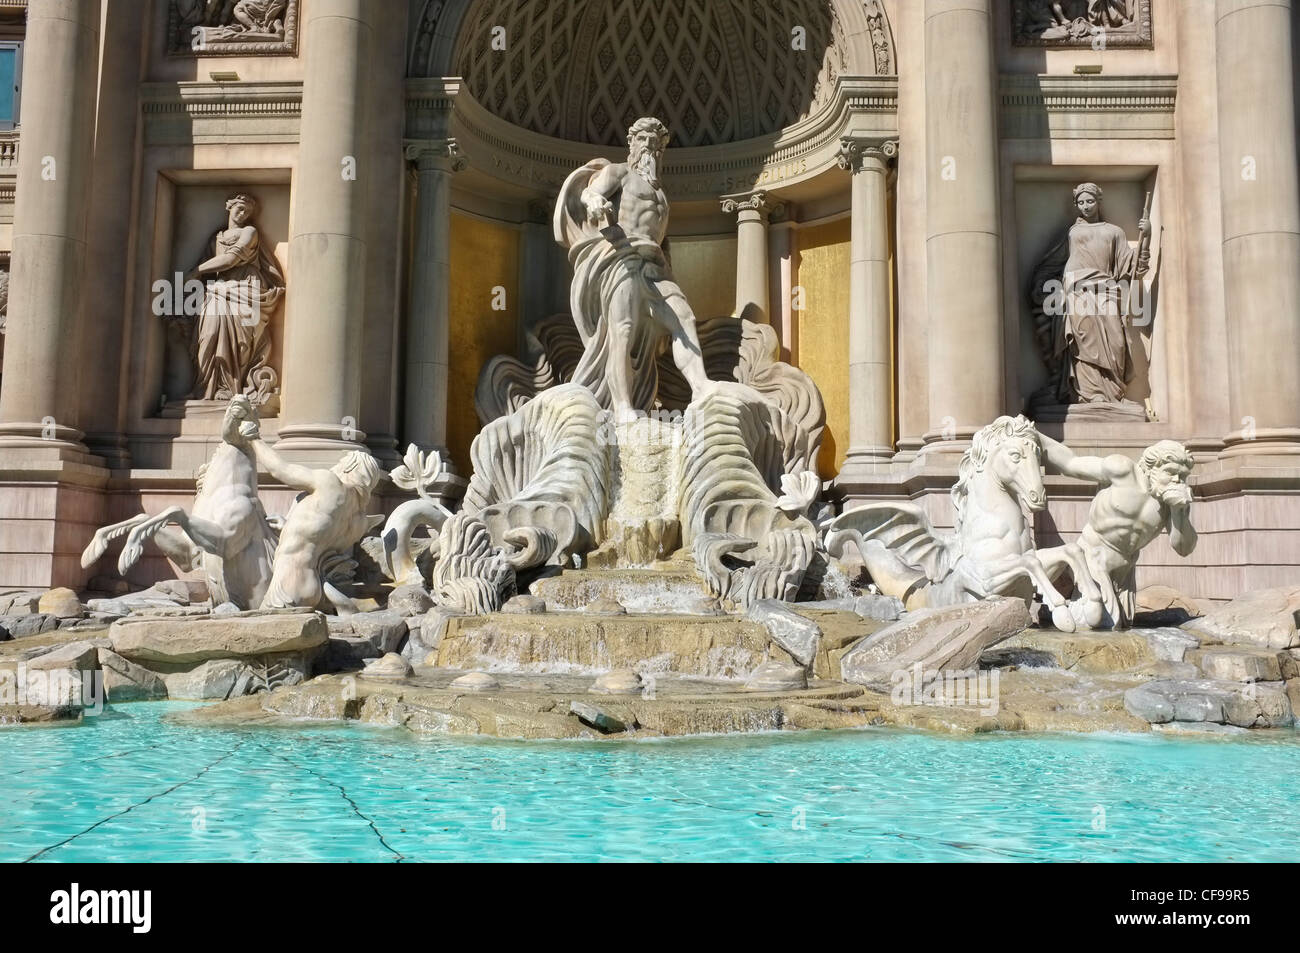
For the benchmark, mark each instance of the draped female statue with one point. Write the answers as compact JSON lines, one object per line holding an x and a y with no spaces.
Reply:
{"x":243,"y":286}
{"x":1080,"y":291}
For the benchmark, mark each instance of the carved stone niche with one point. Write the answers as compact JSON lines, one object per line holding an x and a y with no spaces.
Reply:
{"x":1094,"y":24}
{"x":223,"y":331}
{"x":232,"y":27}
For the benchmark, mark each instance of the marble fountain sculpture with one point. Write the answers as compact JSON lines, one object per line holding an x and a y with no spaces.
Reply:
{"x":635,"y":438}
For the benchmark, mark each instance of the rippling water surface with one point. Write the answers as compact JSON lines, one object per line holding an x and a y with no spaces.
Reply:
{"x":130,"y":786}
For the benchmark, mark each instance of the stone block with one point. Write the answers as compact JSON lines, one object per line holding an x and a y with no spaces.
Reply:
{"x":185,"y":639}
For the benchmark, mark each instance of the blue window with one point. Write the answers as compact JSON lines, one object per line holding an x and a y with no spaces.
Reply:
{"x":10,"y":74}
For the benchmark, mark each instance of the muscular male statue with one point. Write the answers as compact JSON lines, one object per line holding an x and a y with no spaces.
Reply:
{"x":1137,"y":501}
{"x":321,"y":527}
{"x":612,"y":218}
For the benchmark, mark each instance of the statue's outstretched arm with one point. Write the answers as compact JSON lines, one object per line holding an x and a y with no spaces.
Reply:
{"x":290,"y":474}
{"x":1061,"y":459}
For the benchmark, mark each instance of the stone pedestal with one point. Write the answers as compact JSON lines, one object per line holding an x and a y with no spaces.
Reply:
{"x":645,"y":479}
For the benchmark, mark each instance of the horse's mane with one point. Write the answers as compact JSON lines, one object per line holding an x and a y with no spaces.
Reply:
{"x":974,"y":460}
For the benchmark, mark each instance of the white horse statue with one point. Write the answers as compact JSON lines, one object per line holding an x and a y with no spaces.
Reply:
{"x":226,"y":533}
{"x":991,"y":549}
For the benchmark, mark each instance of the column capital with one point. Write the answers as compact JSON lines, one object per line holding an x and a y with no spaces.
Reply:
{"x":441,"y":154}
{"x":765,"y":204}
{"x":855,"y":151}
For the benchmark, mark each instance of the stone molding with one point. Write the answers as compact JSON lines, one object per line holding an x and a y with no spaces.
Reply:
{"x":1087,"y":106}
{"x":225,"y":113}
{"x":860,"y":106}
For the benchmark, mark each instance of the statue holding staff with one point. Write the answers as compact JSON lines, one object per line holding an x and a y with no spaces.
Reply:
{"x":1081,"y":294}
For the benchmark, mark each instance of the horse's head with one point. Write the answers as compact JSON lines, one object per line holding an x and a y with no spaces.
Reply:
{"x":1009,"y":450}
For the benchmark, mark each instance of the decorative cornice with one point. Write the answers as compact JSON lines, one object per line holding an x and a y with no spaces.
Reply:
{"x":859,"y":106}
{"x":1087,"y":106}
{"x":194,"y":112}
{"x":854,"y":151}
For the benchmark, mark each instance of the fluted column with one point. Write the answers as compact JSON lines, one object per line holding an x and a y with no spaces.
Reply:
{"x":38,"y":401}
{"x":871,"y":419}
{"x":427,"y":327}
{"x":327,"y":248}
{"x":1261,"y":223}
{"x":963,"y":257}
{"x":752,"y":214}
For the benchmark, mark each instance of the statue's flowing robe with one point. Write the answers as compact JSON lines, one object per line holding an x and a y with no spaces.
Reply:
{"x":1091,"y":263}
{"x":232,"y":337}
{"x":612,"y":281}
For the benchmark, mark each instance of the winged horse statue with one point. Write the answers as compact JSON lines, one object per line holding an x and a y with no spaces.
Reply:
{"x":991,"y":549}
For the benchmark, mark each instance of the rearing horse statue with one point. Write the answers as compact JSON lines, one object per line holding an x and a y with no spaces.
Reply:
{"x":991,"y":549}
{"x":226,"y":533}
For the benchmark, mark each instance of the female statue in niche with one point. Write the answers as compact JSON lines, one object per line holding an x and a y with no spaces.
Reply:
{"x":232,"y":335}
{"x":1080,"y":292}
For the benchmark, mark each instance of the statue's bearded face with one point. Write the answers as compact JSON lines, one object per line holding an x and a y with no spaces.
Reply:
{"x":644,"y":154}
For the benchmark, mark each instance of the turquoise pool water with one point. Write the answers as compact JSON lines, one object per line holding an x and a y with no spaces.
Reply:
{"x":130,"y":786}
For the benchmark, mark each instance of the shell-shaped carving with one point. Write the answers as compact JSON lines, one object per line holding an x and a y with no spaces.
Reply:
{"x":471,"y":574}
{"x":735,"y":458}
{"x":542,"y":466}
{"x":734,"y":349}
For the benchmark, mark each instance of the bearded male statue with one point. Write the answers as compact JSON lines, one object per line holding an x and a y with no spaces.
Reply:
{"x":612,"y":218}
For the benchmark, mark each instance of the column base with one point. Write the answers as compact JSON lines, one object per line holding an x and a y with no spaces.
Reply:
{"x":865,"y":466}
{"x":1272,"y":441}
{"x":318,"y":444}
{"x":41,"y":435}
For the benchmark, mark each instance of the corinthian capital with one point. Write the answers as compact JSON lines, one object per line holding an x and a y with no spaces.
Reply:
{"x":854,"y":152}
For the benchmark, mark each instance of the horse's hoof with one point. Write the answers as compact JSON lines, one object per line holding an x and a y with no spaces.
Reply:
{"x":1063,"y":619}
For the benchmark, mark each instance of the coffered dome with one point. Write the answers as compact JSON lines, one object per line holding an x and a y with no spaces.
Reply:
{"x":714,"y":71}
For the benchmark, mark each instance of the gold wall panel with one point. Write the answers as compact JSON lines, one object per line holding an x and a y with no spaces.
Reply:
{"x":484,"y":255}
{"x":822,"y":339}
{"x":705,"y":268}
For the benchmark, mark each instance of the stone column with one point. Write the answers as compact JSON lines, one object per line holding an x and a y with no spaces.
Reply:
{"x":427,"y":328}
{"x":39,"y":399}
{"x":871,"y":419}
{"x":963,"y":245}
{"x":327,"y":248}
{"x":752,"y":214}
{"x":1261,"y":223}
